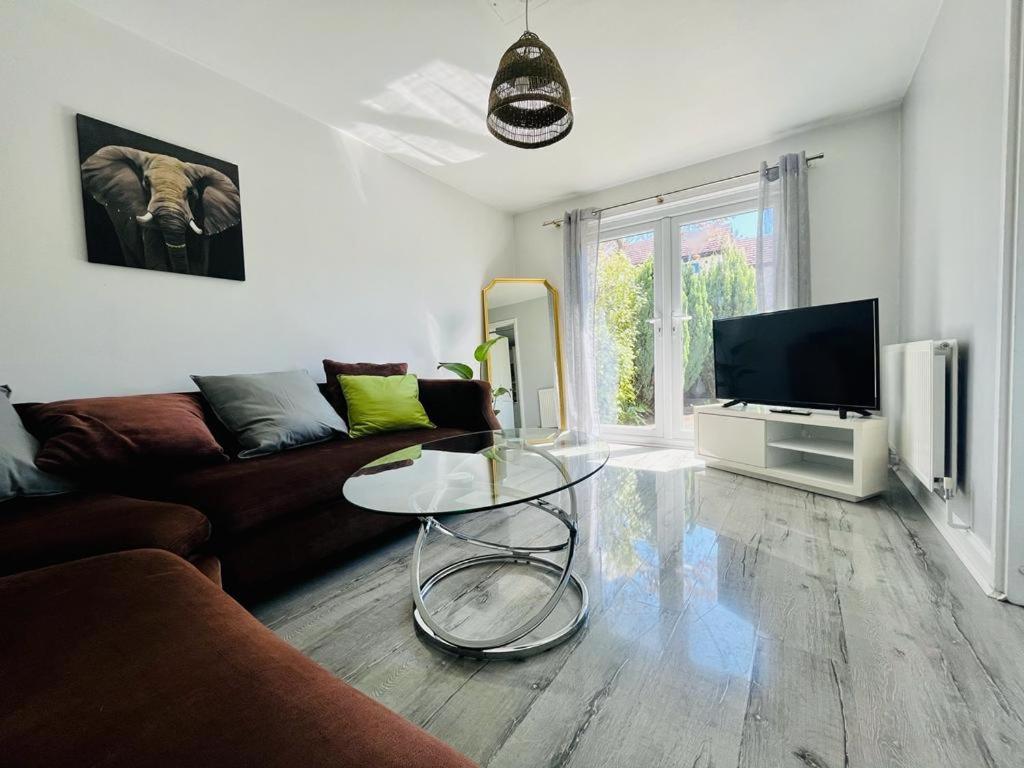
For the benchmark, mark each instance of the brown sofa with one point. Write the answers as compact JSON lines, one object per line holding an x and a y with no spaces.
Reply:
{"x":135,"y":659}
{"x":277,"y":517}
{"x":271,"y":519}
{"x":118,"y":652}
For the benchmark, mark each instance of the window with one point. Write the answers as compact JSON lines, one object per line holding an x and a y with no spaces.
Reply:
{"x":660,"y":286}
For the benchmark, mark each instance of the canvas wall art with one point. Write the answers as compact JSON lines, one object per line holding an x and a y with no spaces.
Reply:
{"x":153,"y":205}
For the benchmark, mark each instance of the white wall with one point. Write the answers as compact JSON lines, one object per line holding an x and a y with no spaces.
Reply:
{"x":954,"y":124}
{"x":348,"y":254}
{"x":854,"y":207}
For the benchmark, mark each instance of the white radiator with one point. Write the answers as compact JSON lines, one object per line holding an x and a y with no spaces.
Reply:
{"x":919,"y":397}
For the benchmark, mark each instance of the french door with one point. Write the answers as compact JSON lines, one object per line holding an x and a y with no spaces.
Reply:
{"x":660,"y":284}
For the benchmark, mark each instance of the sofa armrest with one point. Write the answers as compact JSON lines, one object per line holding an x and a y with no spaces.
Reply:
{"x":459,"y":403}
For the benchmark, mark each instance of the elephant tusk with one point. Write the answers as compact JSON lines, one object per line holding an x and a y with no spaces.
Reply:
{"x":195,"y":227}
{"x":145,"y":218}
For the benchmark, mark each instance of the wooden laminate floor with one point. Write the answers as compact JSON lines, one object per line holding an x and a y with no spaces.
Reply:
{"x":733,"y":623}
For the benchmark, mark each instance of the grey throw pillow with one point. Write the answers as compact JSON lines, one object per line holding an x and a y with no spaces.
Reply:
{"x":19,"y":475}
{"x":268,"y":412}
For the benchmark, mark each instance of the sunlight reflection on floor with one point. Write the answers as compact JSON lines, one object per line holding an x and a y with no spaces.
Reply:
{"x":655,"y":458}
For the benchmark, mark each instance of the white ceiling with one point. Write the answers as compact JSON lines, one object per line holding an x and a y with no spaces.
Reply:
{"x":656,"y":84}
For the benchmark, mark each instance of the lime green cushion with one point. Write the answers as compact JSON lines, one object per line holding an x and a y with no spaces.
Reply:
{"x":383,"y":404}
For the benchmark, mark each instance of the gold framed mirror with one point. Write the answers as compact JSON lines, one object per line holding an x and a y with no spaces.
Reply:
{"x":527,"y":362}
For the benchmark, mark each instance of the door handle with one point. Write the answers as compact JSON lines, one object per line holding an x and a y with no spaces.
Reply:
{"x":677,"y":318}
{"x":656,"y":322}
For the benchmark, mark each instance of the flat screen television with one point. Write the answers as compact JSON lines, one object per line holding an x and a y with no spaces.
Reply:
{"x":813,"y":357}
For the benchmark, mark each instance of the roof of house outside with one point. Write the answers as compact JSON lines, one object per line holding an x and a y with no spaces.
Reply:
{"x":701,"y":239}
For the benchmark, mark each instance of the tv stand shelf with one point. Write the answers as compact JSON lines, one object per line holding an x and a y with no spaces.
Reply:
{"x":845,"y":458}
{"x":817,"y":445}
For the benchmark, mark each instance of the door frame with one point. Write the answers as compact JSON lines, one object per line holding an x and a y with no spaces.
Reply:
{"x":1008,"y":468}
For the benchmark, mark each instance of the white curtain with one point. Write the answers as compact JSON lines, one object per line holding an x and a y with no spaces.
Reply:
{"x":783,"y":258}
{"x":581,"y":229}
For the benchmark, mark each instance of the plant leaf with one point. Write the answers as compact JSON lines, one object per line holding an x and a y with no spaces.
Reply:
{"x":461,"y":370}
{"x":480,"y":353}
{"x":500,"y":391}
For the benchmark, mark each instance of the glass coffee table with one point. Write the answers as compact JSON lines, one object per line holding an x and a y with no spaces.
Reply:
{"x":487,"y":472}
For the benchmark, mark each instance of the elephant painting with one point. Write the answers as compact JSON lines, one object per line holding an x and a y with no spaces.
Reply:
{"x":168,"y":212}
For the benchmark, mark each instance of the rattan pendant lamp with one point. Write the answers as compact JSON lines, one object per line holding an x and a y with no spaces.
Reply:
{"x":530,"y":106}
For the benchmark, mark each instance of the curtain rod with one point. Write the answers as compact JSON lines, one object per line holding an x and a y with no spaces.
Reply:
{"x":660,"y":196}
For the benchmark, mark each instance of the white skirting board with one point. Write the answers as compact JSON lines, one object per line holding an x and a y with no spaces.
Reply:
{"x":972,"y":551}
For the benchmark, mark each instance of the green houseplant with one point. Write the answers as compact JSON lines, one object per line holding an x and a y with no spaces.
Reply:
{"x":463,"y":371}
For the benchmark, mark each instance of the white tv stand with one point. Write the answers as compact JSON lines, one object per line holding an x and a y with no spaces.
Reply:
{"x":845,"y":458}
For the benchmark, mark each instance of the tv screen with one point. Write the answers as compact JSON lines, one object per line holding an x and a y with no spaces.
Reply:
{"x":812,"y":357}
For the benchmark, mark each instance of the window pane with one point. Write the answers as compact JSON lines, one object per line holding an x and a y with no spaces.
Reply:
{"x":625,"y":334}
{"x":717,"y":280}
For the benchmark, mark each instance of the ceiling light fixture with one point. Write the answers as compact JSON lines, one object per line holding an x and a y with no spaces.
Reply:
{"x":530,"y":105}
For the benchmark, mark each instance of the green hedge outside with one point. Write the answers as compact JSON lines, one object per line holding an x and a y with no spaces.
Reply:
{"x":716,"y":285}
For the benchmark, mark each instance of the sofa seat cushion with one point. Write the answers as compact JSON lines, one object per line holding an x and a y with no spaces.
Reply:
{"x":137,"y":659}
{"x":35,"y":532}
{"x":243,"y":495}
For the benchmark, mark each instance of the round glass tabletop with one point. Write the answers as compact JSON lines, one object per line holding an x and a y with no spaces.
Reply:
{"x":475,"y":472}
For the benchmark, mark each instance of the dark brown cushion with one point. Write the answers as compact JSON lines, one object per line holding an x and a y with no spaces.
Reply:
{"x":245,"y":494}
{"x":137,"y":659}
{"x":333,"y":369}
{"x":462,"y":403}
{"x":108,"y":433}
{"x":35,"y":532}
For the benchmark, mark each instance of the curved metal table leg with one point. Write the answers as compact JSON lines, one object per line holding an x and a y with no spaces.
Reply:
{"x":509,"y":645}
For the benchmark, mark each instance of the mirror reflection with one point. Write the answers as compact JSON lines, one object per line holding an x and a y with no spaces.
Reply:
{"x":523,"y":314}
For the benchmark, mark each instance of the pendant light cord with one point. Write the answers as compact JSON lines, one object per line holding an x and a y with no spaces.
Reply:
{"x":527,"y":15}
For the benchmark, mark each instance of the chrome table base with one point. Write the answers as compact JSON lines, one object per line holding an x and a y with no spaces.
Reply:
{"x":510,"y":645}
